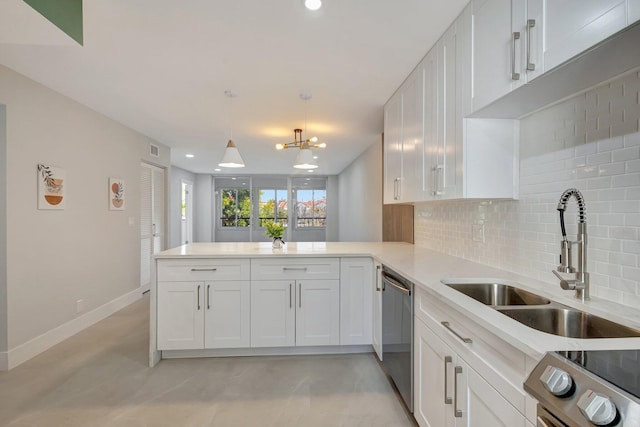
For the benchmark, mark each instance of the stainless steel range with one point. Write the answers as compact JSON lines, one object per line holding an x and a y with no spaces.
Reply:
{"x":587,"y":388}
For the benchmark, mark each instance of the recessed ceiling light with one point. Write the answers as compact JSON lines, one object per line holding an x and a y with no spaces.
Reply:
{"x":310,"y":170}
{"x":217,"y":169}
{"x":313,"y":4}
{"x":315,"y":157}
{"x":189,"y":156}
{"x":233,"y":178}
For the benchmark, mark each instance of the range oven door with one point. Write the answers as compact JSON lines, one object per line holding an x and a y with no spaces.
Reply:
{"x":547,"y":419}
{"x":397,"y":334}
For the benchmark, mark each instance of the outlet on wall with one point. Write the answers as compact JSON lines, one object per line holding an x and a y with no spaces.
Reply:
{"x":80,"y":306}
{"x":477,"y":231}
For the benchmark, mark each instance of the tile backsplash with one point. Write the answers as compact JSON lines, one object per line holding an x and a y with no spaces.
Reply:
{"x":523,"y":236}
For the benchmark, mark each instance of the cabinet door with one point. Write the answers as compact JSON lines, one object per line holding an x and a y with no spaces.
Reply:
{"x":393,"y":149}
{"x":634,"y":11}
{"x":377,"y":311}
{"x":486,"y":407}
{"x":433,"y":385}
{"x":412,"y":136}
{"x":318,"y":312}
{"x":227,"y":314}
{"x":431,"y":123}
{"x":493,"y":45}
{"x":572,"y":26}
{"x":356,"y":299}
{"x":180,"y":315}
{"x":447,"y":176}
{"x":273,"y":313}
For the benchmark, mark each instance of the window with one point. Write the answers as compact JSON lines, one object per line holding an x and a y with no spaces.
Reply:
{"x":236,"y":207}
{"x":273,"y":206}
{"x":311,"y":208}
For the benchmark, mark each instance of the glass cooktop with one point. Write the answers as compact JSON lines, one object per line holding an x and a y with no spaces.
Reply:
{"x":619,"y":367}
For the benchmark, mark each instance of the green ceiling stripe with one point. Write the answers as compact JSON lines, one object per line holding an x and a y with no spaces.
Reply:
{"x":64,"y":14}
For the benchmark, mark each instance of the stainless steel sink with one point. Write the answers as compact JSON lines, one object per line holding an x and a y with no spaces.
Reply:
{"x":567,"y":322}
{"x":498,"y":294}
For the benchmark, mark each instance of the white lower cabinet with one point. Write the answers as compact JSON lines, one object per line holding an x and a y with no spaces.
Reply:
{"x":295,"y":312}
{"x":180,"y":316}
{"x":197,"y":315}
{"x":356,"y":299}
{"x":273,"y":314}
{"x":448,"y":392}
{"x":227,"y":315}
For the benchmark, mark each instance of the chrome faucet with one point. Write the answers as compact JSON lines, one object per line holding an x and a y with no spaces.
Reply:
{"x":573,"y":278}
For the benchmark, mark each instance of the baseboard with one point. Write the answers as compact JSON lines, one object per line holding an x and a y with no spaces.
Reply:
{"x":37,"y":345}
{"x":267,"y":351}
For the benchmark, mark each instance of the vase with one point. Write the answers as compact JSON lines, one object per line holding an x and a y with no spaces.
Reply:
{"x":277,"y":243}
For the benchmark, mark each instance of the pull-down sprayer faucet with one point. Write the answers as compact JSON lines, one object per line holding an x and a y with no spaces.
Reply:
{"x":570,"y":277}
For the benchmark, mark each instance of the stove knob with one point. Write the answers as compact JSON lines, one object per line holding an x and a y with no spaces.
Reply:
{"x":597,"y":408}
{"x":557,"y":381}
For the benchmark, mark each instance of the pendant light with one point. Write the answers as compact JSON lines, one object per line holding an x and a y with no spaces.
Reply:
{"x":232,"y":157}
{"x":304,"y":159}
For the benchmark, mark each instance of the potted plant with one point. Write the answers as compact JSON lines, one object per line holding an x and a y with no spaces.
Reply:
{"x":275,"y":231}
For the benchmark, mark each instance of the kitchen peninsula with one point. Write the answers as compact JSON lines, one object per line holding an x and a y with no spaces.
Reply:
{"x":235,"y":299}
{"x":424,"y":267}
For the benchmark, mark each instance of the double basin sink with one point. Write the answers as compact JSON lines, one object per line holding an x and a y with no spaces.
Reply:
{"x":541,"y":313}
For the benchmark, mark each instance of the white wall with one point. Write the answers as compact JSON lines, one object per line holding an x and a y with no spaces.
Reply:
{"x":84,"y":251}
{"x":556,"y":153}
{"x":3,"y":231}
{"x":360,"y":197}
{"x":203,"y":201}
{"x":333,"y":209}
{"x":175,"y":204}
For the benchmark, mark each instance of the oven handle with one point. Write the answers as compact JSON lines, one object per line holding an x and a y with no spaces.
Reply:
{"x":398,"y":286}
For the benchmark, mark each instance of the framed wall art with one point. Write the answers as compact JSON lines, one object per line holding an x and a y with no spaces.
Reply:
{"x":116,"y":194}
{"x":51,"y":183}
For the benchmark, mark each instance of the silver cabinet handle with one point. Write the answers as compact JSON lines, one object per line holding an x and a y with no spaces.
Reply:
{"x":294,"y":268}
{"x":437,"y":170}
{"x":447,"y":399}
{"x":204,"y":269}
{"x":448,"y":326}
{"x":514,"y":75}
{"x":208,"y":296}
{"x":300,"y":295}
{"x":290,"y":293}
{"x":198,"y":297}
{"x":457,"y":413}
{"x":399,"y":188}
{"x":377,"y":278}
{"x":395,"y":189}
{"x":531,"y":23}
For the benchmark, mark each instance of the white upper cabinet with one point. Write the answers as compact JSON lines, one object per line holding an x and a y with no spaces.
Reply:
{"x":494,"y":51}
{"x":404,"y":141}
{"x":516,"y":41}
{"x":572,"y":26}
{"x":441,"y":157}
{"x":393,"y":149}
{"x":412,"y":136}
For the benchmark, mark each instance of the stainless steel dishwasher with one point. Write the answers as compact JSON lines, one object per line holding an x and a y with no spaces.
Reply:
{"x":397,"y":332}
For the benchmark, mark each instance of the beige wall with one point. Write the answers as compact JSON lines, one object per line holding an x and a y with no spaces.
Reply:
{"x":3,"y":230}
{"x":84,"y":251}
{"x":360,"y":193}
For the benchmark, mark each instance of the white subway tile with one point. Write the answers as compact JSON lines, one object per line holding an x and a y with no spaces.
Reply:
{"x":631,"y":273}
{"x":597,"y":183}
{"x":631,"y":153}
{"x":632,"y":220}
{"x":585,"y":150}
{"x":612,"y":169}
{"x":610,"y":144}
{"x":627,"y":180}
{"x":625,"y":206}
{"x":598,"y":159}
{"x":620,"y":258}
{"x":632,"y":140}
{"x":623,"y":233}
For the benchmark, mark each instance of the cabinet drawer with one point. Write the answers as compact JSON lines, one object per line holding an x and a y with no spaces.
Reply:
{"x":295,"y":268}
{"x":191,"y":270}
{"x":501,"y":364}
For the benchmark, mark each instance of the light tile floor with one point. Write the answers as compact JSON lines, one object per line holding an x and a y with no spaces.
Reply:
{"x":100,"y":377}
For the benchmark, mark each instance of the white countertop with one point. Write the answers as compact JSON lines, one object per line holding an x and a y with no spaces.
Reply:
{"x":426,"y":269}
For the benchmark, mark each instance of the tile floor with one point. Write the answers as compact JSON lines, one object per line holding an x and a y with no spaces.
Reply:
{"x":100,"y":377}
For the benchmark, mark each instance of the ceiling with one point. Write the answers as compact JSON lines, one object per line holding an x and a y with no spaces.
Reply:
{"x":162,"y":67}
